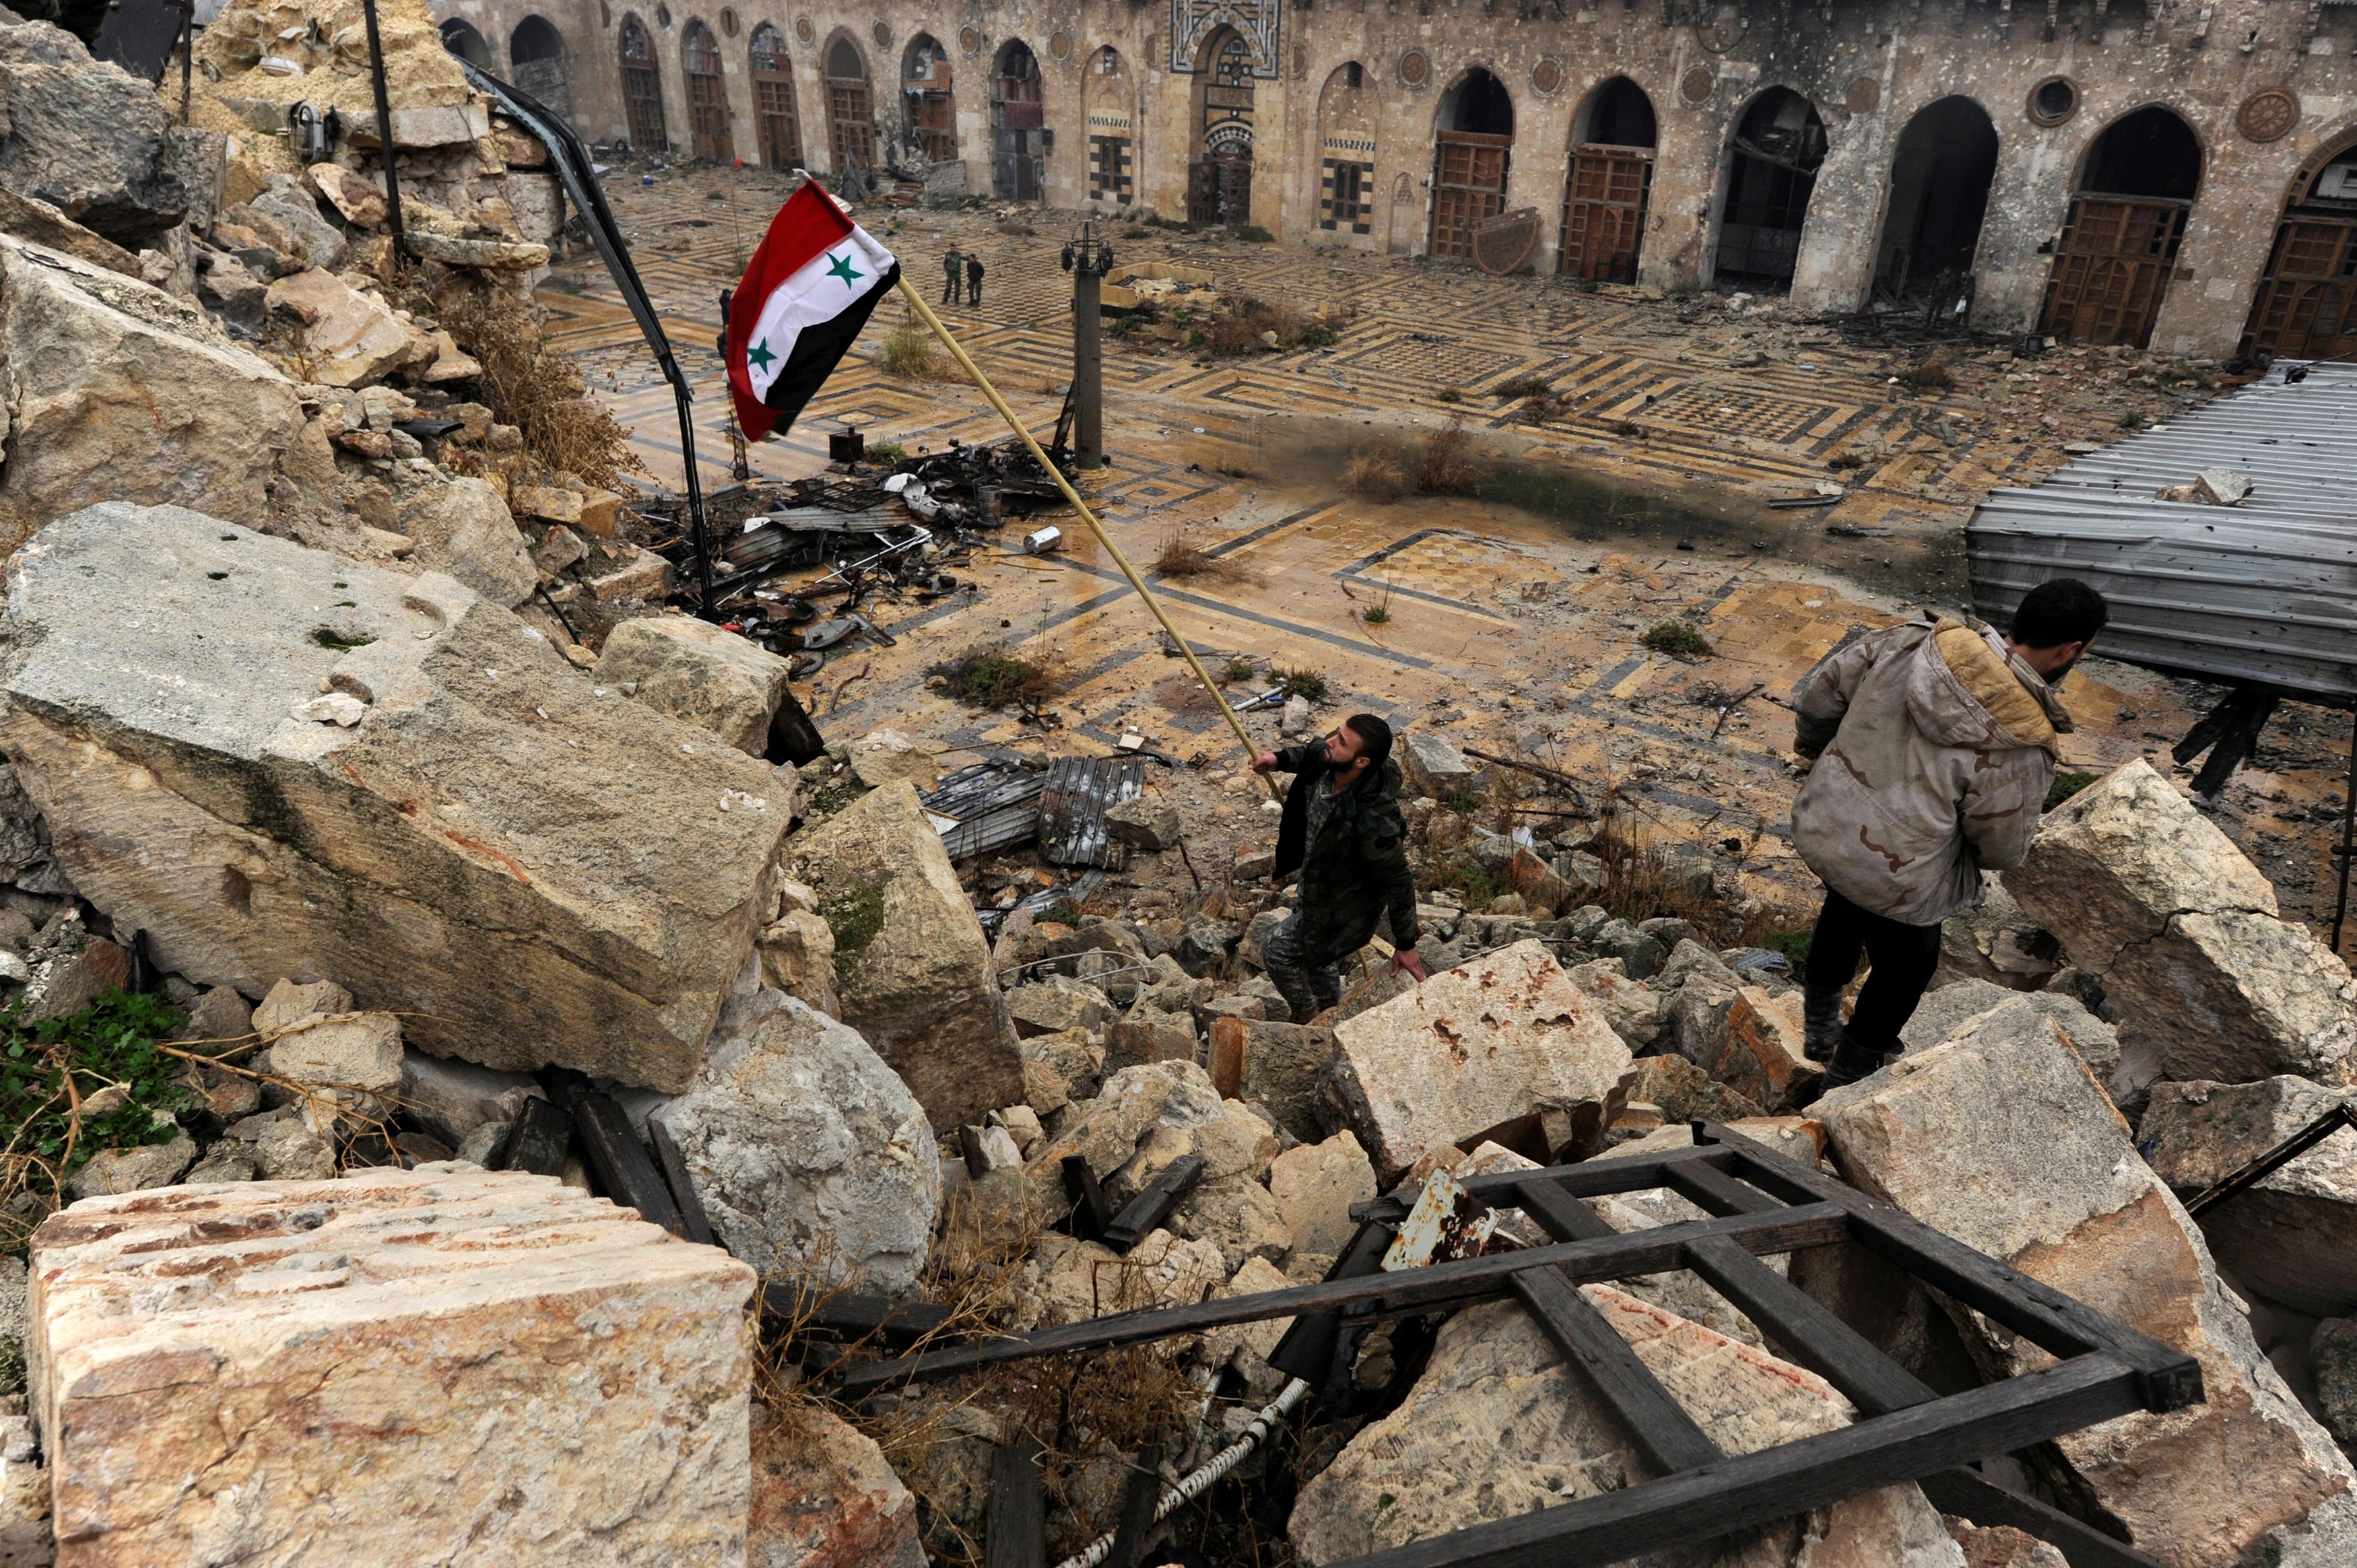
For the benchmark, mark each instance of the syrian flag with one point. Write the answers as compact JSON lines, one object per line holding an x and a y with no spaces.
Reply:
{"x":810,"y":288}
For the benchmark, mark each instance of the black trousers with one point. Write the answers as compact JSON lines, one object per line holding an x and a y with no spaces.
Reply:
{"x":973,"y":291}
{"x":1902,"y":958}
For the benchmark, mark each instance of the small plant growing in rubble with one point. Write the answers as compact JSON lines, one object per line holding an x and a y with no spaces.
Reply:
{"x":1677,"y":639}
{"x":854,"y":912}
{"x":1380,"y":612}
{"x":1308,"y":684}
{"x":537,"y":389}
{"x":1253,"y":234}
{"x":1239,"y":669}
{"x":2066,"y":784}
{"x":1182,"y":557}
{"x":906,"y":353}
{"x":1521,"y":386}
{"x":71,"y":1087}
{"x":1933,"y":371}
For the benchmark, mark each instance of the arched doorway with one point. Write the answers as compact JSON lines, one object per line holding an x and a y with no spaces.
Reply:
{"x":926,"y":94}
{"x":1473,"y":155}
{"x":1017,"y":123}
{"x":2119,"y":243}
{"x":708,"y":97}
{"x":536,"y":59}
{"x":2306,"y":303}
{"x":468,"y":44}
{"x":643,"y":87}
{"x":1611,"y":179}
{"x":1346,"y":153}
{"x":1940,"y":180}
{"x":1108,"y":99}
{"x":850,"y":107}
{"x":780,"y":128}
{"x":1218,"y":180}
{"x":1778,"y":144}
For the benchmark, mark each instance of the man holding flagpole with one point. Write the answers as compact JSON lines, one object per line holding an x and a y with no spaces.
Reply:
{"x":810,"y":288}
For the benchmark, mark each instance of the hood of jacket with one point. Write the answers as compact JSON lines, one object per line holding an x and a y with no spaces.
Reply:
{"x":1964,"y":690}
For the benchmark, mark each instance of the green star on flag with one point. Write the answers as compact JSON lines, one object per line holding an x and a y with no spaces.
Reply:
{"x":758,"y":355}
{"x":844,"y":269}
{"x":788,"y":324}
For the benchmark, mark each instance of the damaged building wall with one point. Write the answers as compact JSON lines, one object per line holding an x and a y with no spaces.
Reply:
{"x":2261,"y":91}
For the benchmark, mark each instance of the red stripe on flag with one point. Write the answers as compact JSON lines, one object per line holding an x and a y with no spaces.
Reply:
{"x":804,"y":227}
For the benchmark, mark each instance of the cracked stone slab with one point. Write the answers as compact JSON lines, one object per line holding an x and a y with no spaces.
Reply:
{"x":439,"y":1366}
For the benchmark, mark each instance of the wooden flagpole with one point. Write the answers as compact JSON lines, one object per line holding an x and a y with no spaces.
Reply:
{"x":965,"y":362}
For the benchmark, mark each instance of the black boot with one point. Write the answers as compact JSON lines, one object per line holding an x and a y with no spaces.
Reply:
{"x":1822,"y":1025}
{"x":1853,"y":1059}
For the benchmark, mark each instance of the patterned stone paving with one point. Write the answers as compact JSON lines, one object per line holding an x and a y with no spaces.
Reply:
{"x":1501,"y":627}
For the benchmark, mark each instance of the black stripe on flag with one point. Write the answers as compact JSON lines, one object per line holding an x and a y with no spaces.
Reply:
{"x":818,"y":349}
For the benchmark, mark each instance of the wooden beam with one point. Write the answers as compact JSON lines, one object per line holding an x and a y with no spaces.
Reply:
{"x":1716,"y":1192}
{"x":898,"y":1323}
{"x":540,"y":1140}
{"x":1140,"y":1493}
{"x":1308,"y":1349}
{"x":615,"y":1157}
{"x":2048,"y":1318}
{"x":1015,"y":1526}
{"x":1593,"y":1178}
{"x":1556,"y":1211}
{"x":1970,"y":1494}
{"x":1456,"y":1284}
{"x":1090,"y":1212}
{"x":1792,"y":1477}
{"x":1655,"y":1421}
{"x":683,"y":1186}
{"x":1804,"y":1330}
{"x":1154,"y":1203}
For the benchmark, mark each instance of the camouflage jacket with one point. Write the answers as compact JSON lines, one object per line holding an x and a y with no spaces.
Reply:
{"x":1357,"y":868}
{"x":1937,"y":749}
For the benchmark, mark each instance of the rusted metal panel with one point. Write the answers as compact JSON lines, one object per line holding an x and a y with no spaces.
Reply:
{"x":1073,"y":807}
{"x":1447,"y":1222}
{"x":2263,"y":593}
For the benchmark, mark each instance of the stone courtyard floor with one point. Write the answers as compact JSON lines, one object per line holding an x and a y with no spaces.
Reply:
{"x":1511,"y":626}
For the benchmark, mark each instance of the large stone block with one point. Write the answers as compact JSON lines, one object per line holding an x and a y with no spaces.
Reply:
{"x":446,"y":1365}
{"x":2292,"y":1237}
{"x":1146,"y":1117}
{"x":527,"y":871}
{"x":1475,"y":1047}
{"x":1946,"y":1009}
{"x":1500,"y":1425}
{"x":807,"y":1151}
{"x":694,"y":670}
{"x":2150,"y":896}
{"x":2001,"y":1137}
{"x":120,"y":392}
{"x":93,"y":140}
{"x":824,"y":1495}
{"x":911,"y":966}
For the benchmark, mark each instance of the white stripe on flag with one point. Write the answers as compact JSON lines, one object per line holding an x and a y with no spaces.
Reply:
{"x":818,"y":292}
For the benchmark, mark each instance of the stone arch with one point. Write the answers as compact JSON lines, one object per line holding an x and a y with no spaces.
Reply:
{"x":850,"y":103}
{"x":1472,"y":157}
{"x":778,"y":124}
{"x":928,"y":98}
{"x":1610,"y":184}
{"x":707,"y":94}
{"x":1774,"y":154}
{"x":461,"y":39}
{"x":1347,"y":117}
{"x":2129,"y":204}
{"x":1019,"y":124}
{"x":641,"y":85}
{"x":2305,"y":305}
{"x":536,"y":63}
{"x":1219,"y":166}
{"x":1109,"y":106}
{"x":1941,"y":175}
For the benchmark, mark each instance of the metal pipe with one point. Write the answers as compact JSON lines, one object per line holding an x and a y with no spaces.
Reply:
{"x":384,"y":132}
{"x":2342,"y":851}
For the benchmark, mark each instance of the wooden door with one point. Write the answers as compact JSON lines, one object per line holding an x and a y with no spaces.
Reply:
{"x":851,"y":121}
{"x":708,"y":116}
{"x":932,"y":120}
{"x":2111,"y":270}
{"x":1469,"y":185}
{"x":2306,"y":303}
{"x":1604,"y":212}
{"x":642,"y":91}
{"x":1219,"y":192}
{"x":780,"y":127}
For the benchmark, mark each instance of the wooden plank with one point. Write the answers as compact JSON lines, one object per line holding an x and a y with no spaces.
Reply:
{"x":1970,"y":1494}
{"x":618,"y":1161}
{"x":1140,"y":1493}
{"x":1558,"y":1213}
{"x":1716,"y":1191}
{"x":849,"y":1316}
{"x":1660,"y":1426}
{"x":1090,"y":1212}
{"x":1804,"y":1330}
{"x":1790,"y":1478}
{"x":1456,"y":1284}
{"x":683,"y":1186}
{"x":1154,"y":1203}
{"x":1014,"y":1526}
{"x":2048,"y":1318}
{"x":539,"y":1141}
{"x":1307,"y":1350}
{"x":1594,"y":1179}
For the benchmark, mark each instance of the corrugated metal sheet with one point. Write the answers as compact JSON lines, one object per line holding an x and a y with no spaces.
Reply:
{"x":987,"y":806}
{"x":1071,"y":813}
{"x":2263,"y":593}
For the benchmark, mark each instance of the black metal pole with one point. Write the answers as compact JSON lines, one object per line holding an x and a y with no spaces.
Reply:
{"x":187,"y":51}
{"x":2342,"y":851}
{"x":694,"y":493}
{"x":1087,"y":355}
{"x":384,"y":132}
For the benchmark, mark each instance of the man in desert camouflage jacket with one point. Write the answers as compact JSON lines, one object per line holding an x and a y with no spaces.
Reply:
{"x":1933,"y":745}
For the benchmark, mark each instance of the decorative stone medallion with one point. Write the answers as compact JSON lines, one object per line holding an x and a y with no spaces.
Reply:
{"x":1546,"y":77}
{"x":1697,"y":84}
{"x":1862,"y":95}
{"x":1414,"y":68}
{"x":882,"y":33}
{"x":2267,"y":115}
{"x":803,"y":31}
{"x":1060,"y":44}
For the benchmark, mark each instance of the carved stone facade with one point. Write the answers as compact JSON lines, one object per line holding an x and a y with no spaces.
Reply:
{"x":2106,"y":173}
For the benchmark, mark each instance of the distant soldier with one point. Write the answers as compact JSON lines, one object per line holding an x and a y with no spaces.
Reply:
{"x":953,"y":275}
{"x":1934,"y":745}
{"x":972,"y":279}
